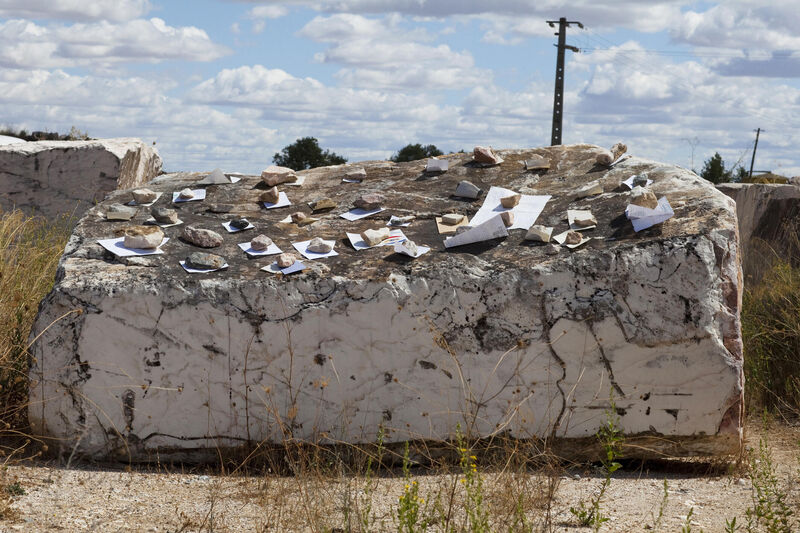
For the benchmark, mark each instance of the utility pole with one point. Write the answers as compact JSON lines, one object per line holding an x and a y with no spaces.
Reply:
{"x":753,"y":160}
{"x":558,"y":98}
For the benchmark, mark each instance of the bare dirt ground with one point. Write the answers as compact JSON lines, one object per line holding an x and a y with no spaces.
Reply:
{"x":44,"y":496}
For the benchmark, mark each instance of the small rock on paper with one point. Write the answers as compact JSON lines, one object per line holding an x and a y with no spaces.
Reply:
{"x":271,"y":250}
{"x":447,"y":229}
{"x":643,"y":218}
{"x":525,"y":214}
{"x":158,"y":195}
{"x":629,"y":182}
{"x":539,"y":233}
{"x":437,"y":165}
{"x":357,"y":213}
{"x":231,"y":229}
{"x":199,"y":194}
{"x":537,"y":162}
{"x":303,"y":245}
{"x":561,"y":239}
{"x":395,"y":236}
{"x":200,"y":271}
{"x":283,"y":201}
{"x":115,"y":247}
{"x":581,"y":219}
{"x":297,"y":266}
{"x":491,"y":229}
{"x":411,"y":251}
{"x":400,"y":222}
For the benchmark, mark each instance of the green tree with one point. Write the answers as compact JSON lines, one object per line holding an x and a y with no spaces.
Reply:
{"x":305,"y":153}
{"x":412,"y":152}
{"x":714,"y":170}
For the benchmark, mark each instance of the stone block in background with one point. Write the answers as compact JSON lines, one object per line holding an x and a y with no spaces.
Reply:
{"x":54,"y":178}
{"x":507,"y":335}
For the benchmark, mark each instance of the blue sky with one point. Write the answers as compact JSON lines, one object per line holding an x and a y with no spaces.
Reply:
{"x":229,"y":83}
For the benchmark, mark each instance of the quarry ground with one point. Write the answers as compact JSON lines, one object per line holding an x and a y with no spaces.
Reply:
{"x":46,"y":496}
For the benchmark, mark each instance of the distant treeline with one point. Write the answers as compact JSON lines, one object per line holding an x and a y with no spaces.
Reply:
{"x":74,"y":135}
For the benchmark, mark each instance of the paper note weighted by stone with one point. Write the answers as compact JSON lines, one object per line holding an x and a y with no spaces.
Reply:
{"x":272,"y":249}
{"x":446,"y":229}
{"x":395,"y":236}
{"x":283,"y":201}
{"x":197,"y":194}
{"x":302,"y":247}
{"x":358,"y":213}
{"x":192,"y":270}
{"x":493,"y":228}
{"x":643,"y":217}
{"x":115,"y":247}
{"x":525,"y":213}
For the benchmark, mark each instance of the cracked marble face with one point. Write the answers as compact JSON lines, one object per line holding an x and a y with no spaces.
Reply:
{"x":501,"y":336}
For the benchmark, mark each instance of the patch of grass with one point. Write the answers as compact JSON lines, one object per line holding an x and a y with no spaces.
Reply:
{"x":771,"y":335}
{"x":30,"y":248}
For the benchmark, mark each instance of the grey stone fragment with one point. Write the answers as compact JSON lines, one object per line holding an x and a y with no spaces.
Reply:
{"x":452,"y":219}
{"x":205,"y":261}
{"x":144,"y":196}
{"x":644,"y":198}
{"x":220,"y":208}
{"x":120,"y":212}
{"x":466,"y":189}
{"x":640,"y":180}
{"x":573,"y":237}
{"x":271,"y":196}
{"x":204,"y":238}
{"x":260,"y":243}
{"x":318,"y":246}
{"x":186,"y":194}
{"x":369,"y":201}
{"x":164,"y":215}
{"x":239,"y":223}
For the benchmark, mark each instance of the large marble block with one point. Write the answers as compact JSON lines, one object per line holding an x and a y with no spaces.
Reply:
{"x":53,"y":178}
{"x":138,"y":357}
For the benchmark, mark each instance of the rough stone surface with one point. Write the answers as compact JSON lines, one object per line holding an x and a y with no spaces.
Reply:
{"x":204,"y":238}
{"x":143,"y":196}
{"x":769,"y":223}
{"x":644,"y":197}
{"x":369,"y":201}
{"x":319,"y":246}
{"x":120,"y":212}
{"x":539,"y":233}
{"x":260,"y":243}
{"x":274,"y":175}
{"x":469,"y":190}
{"x":186,"y":193}
{"x":271,"y":195}
{"x":54,"y":178}
{"x":165,"y":215}
{"x":204,"y":261}
{"x":506,"y":336}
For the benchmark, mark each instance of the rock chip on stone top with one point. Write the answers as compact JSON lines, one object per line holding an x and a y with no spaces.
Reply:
{"x":584,"y":219}
{"x":452,"y":219}
{"x":643,"y":197}
{"x":399,"y":221}
{"x":467,"y":189}
{"x":164,"y":215}
{"x":220,"y":208}
{"x":274,"y":175}
{"x":143,"y":237}
{"x":508,"y":218}
{"x":286,"y":260}
{"x":411,"y":246}
{"x":510,"y":201}
{"x":298,"y":217}
{"x":271,"y":195}
{"x":374,"y":237}
{"x":322,"y":204}
{"x":356,"y":174}
{"x":482,"y":154}
{"x":205,"y":261}
{"x":144,"y":196}
{"x":607,"y":157}
{"x":539,"y":233}
{"x":239,"y":223}
{"x":573,"y":237}
{"x":120,"y":212}
{"x":640,"y":180}
{"x":537,"y":162}
{"x":590,"y":189}
{"x":260,"y":243}
{"x":318,"y":246}
{"x":186,"y":194}
{"x":369,"y":201}
{"x":204,"y":238}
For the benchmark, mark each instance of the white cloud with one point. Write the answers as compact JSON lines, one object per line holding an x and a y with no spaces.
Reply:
{"x":25,"y":44}
{"x":259,"y":14}
{"x":384,"y":54}
{"x":82,"y":10}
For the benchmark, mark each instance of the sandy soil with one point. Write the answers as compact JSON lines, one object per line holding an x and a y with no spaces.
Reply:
{"x":88,"y":498}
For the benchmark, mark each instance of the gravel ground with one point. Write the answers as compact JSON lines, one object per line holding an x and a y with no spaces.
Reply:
{"x":87,"y":498}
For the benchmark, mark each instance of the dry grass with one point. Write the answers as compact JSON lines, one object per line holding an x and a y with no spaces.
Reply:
{"x":30,"y":248}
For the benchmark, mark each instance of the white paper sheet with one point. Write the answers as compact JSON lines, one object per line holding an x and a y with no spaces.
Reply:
{"x":272,"y":250}
{"x":629,"y":182}
{"x":231,"y":178}
{"x":302,"y":248}
{"x":351,"y":180}
{"x":491,"y":229}
{"x":115,"y":247}
{"x":199,"y":194}
{"x":395,"y":236}
{"x":437,"y":165}
{"x":151,"y":221}
{"x":231,"y":229}
{"x":200,"y":270}
{"x":561,"y":238}
{"x":401,"y":249}
{"x":300,"y":181}
{"x":297,"y":266}
{"x":148,"y":204}
{"x":283,"y":201}
{"x":572,"y":214}
{"x":525,"y":213}
{"x":358,"y":213}
{"x":643,"y":217}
